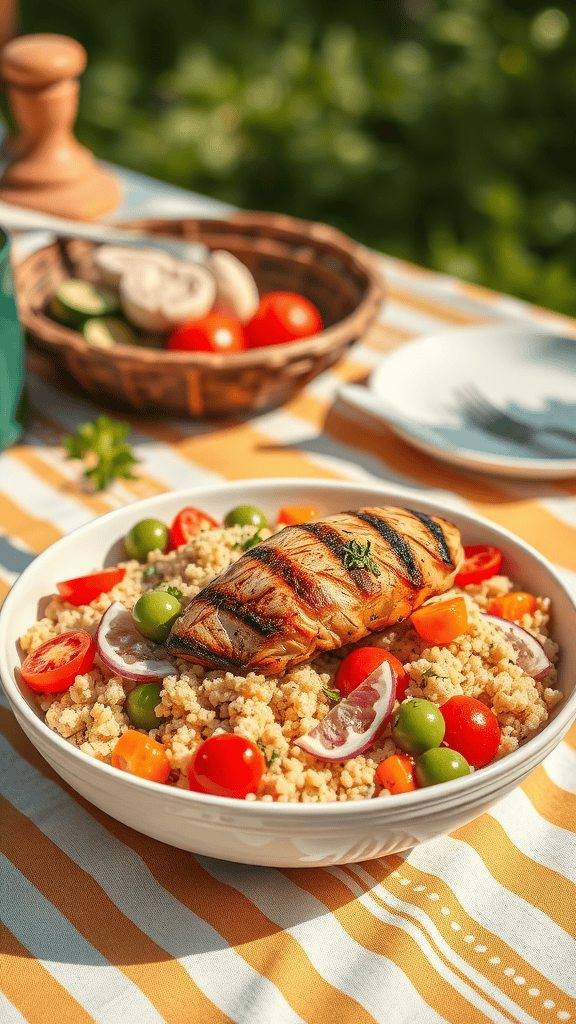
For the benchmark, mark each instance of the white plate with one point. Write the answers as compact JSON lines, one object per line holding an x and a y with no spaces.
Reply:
{"x":525,"y":373}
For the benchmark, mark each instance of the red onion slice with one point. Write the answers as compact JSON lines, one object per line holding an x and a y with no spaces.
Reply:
{"x":125,"y":651}
{"x":353,"y":724}
{"x":532,"y":658}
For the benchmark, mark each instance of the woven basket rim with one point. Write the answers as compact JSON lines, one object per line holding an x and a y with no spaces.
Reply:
{"x":271,"y":355}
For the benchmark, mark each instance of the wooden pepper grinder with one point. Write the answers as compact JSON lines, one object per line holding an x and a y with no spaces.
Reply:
{"x":51,"y":171}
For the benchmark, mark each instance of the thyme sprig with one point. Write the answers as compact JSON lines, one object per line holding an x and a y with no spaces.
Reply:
{"x":358,"y":557}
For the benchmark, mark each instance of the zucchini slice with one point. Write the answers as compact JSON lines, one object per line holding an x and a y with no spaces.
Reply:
{"x":105,"y":331}
{"x":77,"y":300}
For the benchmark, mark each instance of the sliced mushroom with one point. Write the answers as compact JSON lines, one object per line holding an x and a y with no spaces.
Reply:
{"x":115,"y":260}
{"x":237,"y":292}
{"x":156,"y":298}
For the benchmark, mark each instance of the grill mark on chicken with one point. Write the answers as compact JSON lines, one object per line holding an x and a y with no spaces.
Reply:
{"x":437,"y":532}
{"x":297,"y":579}
{"x":331,"y":539}
{"x":221,"y":599}
{"x":399,"y":544}
{"x":183,"y":645}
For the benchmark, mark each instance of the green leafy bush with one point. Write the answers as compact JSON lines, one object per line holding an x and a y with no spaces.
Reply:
{"x":438,"y":132}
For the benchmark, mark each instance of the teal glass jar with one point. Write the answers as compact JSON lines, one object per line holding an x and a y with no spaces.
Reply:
{"x":13,"y":400}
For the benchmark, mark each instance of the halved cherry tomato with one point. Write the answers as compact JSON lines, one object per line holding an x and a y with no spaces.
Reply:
{"x":188,"y":523}
{"x":280,"y":317}
{"x":291,"y":515}
{"x":471,"y":728}
{"x":359,"y":664}
{"x":142,"y":756}
{"x":226,"y":765}
{"x":54,"y":665}
{"x":481,"y":562}
{"x":396,"y":773}
{"x":442,"y":622}
{"x":513,"y":606}
{"x":215,"y":332}
{"x":84,"y":589}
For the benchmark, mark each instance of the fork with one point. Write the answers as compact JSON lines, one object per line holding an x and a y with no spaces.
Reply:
{"x":486,"y":416}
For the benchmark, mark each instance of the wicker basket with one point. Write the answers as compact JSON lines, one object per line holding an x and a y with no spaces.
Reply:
{"x":334,"y":272}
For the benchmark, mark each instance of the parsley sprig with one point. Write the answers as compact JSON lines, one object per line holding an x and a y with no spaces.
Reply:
{"x":358,"y":557}
{"x":175,"y":593}
{"x":104,"y":441}
{"x":250,"y":543}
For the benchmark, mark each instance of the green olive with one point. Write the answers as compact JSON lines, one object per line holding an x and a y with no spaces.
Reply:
{"x":417,"y":725}
{"x":155,"y":613}
{"x":140,"y":705}
{"x":440,"y":764}
{"x":246,"y":515}
{"x":147,"y":535}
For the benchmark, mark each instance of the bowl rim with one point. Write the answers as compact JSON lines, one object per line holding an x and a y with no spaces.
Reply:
{"x":485,"y":778}
{"x":59,"y":336}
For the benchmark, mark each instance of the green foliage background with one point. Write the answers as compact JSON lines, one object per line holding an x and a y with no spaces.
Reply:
{"x":440,"y":132}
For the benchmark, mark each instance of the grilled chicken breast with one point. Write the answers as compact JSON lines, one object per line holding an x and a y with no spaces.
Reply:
{"x":316,"y":587}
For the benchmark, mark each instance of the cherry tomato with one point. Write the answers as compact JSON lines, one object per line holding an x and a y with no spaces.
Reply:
{"x":83,"y":589}
{"x":215,"y":332}
{"x":226,"y":765}
{"x":481,"y":562}
{"x":280,"y":317}
{"x":188,"y":523}
{"x":442,"y":622}
{"x":54,"y":665}
{"x":471,"y":728}
{"x":359,"y":664}
{"x":291,"y":515}
{"x":396,"y":773}
{"x":140,"y":755}
{"x":513,"y":606}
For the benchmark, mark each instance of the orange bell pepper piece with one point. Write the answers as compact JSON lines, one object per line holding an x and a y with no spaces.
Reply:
{"x":442,"y":622}
{"x":396,"y":774}
{"x":291,"y":515}
{"x":140,"y":755}
{"x":513,"y":606}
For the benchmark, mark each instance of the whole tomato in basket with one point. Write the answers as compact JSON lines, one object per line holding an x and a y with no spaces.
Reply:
{"x":282,"y":316}
{"x":215,"y":332}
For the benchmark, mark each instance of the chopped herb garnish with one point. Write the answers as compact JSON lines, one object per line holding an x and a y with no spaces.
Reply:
{"x":430,"y":672}
{"x":269,"y":760}
{"x":149,"y":571}
{"x":358,"y":557}
{"x":332,"y":694}
{"x":250,"y":543}
{"x":175,"y":593}
{"x":103,"y":440}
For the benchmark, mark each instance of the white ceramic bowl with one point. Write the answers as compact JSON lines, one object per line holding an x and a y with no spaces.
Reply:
{"x":281,"y":835}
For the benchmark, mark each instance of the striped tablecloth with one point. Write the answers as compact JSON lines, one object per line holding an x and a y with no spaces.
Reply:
{"x":103,"y":924}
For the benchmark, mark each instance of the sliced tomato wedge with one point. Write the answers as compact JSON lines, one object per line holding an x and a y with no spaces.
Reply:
{"x":188,"y":523}
{"x":481,"y":562}
{"x":54,"y":665}
{"x":84,"y":589}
